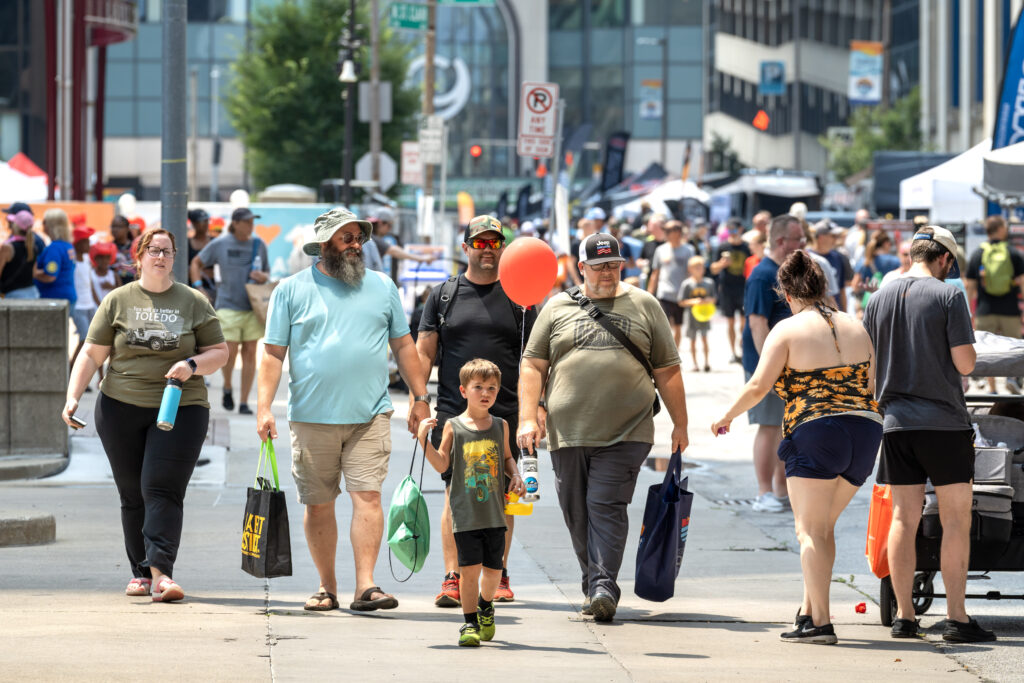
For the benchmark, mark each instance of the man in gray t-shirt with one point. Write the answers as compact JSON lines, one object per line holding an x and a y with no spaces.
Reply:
{"x":669,"y":267}
{"x":240,"y":257}
{"x":924,"y":343}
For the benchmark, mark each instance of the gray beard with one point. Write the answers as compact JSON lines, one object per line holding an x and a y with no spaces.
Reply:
{"x":346,"y":266}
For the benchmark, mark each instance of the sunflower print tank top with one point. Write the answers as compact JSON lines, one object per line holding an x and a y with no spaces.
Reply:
{"x":810,"y":394}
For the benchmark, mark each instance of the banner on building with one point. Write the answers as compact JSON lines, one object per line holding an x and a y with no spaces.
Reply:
{"x":865,"y":72}
{"x":773,"y":78}
{"x":1009,"y":128}
{"x":614,"y":159}
{"x":650,"y":99}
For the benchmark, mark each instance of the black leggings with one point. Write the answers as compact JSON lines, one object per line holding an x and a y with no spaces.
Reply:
{"x":151,"y":469}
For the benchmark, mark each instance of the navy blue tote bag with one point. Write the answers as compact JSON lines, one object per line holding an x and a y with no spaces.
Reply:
{"x":663,"y":534}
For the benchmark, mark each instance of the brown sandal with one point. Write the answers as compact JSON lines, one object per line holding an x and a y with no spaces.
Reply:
{"x":320,"y":597}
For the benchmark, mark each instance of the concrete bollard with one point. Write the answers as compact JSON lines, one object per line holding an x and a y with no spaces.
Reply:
{"x":27,"y":530}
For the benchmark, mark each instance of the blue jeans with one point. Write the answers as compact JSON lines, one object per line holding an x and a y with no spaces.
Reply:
{"x":29,"y":292}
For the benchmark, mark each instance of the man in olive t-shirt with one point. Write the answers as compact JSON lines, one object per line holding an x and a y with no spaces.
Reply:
{"x":600,"y":415}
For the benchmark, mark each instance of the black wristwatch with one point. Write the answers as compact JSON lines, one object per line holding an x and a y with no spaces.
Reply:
{"x":426,"y":398}
{"x":192,"y":364}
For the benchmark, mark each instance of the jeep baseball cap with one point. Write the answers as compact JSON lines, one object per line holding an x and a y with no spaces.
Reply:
{"x":946,"y":239}
{"x":600,"y":248}
{"x":327,"y":224}
{"x":482,"y":224}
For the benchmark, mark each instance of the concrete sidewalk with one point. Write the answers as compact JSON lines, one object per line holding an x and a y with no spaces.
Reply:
{"x":64,"y":615}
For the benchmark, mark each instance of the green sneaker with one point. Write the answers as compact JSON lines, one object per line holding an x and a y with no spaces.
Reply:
{"x":469,"y":635}
{"x":486,"y":620}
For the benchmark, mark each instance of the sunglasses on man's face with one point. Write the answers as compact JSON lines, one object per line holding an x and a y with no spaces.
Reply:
{"x":350,"y":237}
{"x":486,"y":243}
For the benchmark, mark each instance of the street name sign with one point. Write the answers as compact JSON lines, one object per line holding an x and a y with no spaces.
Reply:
{"x":407,"y":15}
{"x":537,"y":119}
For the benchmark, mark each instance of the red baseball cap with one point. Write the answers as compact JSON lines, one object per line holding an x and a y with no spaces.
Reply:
{"x":84,"y":233}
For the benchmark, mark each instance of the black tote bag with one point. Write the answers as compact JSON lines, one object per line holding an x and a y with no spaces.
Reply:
{"x":266,"y":544}
{"x":663,"y":534}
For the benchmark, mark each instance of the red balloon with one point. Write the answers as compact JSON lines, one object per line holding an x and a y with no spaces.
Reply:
{"x":527,"y":270}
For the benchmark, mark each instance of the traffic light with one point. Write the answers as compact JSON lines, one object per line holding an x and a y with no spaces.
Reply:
{"x":475,"y":151}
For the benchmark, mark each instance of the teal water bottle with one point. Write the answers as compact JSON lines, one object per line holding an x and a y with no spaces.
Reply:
{"x":169,"y":405}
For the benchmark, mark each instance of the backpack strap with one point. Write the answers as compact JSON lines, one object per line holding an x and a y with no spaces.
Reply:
{"x":601,"y":319}
{"x":449,"y":288}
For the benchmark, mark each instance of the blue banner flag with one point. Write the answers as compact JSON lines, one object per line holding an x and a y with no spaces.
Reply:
{"x":1009,"y":128}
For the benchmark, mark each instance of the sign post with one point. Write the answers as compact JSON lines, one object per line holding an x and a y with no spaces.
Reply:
{"x":537,"y":120}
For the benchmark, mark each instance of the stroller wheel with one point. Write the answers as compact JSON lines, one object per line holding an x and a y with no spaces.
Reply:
{"x":923,"y":590}
{"x":887,"y":602}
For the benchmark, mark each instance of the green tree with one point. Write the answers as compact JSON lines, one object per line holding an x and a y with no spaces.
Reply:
{"x":876,"y":128}
{"x":285,"y":98}
{"x":723,"y":156}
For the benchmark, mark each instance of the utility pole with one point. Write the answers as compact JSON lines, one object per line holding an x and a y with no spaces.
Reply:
{"x":428,"y":89}
{"x":193,"y":180}
{"x":375,"y":131}
{"x":886,"y":48}
{"x":664,"y":101}
{"x":348,"y":44}
{"x":795,"y":103}
{"x":174,"y":137}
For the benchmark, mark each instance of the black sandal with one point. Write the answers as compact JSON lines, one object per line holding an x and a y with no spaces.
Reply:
{"x":365,"y":604}
{"x":320,"y":597}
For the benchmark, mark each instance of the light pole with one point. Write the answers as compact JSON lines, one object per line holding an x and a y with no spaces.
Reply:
{"x":347,"y":45}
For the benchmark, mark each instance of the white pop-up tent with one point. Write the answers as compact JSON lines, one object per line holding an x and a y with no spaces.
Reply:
{"x":670,"y":189}
{"x":15,"y":186}
{"x":946,"y":191}
{"x":1003,"y":175}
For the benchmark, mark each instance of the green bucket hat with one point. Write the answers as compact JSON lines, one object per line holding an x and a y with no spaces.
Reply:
{"x":327,"y":224}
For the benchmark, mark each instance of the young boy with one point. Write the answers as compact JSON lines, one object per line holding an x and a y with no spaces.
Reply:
{"x":695,"y":290}
{"x":476,"y":445}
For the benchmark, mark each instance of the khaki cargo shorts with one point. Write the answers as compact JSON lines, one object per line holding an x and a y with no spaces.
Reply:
{"x":322,"y":453}
{"x":1005,"y":325}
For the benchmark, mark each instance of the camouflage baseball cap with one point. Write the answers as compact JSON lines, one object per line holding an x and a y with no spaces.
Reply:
{"x":482,"y":224}
{"x":327,"y":224}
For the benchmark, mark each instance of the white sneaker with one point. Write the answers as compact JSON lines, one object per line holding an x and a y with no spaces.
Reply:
{"x":784,"y":501}
{"x":767,"y":502}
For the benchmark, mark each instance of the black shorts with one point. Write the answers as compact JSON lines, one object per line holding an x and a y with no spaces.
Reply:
{"x":435,"y":439}
{"x":730,"y":302}
{"x":831,"y":446}
{"x":673,"y":310}
{"x":910,"y":457}
{"x":481,"y":546}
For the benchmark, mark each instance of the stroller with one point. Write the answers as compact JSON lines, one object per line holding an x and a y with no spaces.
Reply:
{"x":997,"y":524}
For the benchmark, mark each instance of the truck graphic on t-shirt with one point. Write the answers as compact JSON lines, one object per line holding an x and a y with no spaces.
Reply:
{"x":152,"y":336}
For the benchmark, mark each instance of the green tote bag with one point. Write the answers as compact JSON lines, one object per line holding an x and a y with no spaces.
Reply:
{"x":409,"y":522}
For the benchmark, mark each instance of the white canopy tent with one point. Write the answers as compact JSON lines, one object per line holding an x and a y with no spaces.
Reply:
{"x":672,"y":189}
{"x":15,"y":186}
{"x":945,"y":191}
{"x":1003,"y":175}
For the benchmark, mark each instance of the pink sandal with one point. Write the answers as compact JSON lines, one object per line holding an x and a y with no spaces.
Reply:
{"x":167,"y":591}
{"x":139,"y":586}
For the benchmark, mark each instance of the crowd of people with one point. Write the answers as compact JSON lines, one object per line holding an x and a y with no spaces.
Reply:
{"x":827,"y":382}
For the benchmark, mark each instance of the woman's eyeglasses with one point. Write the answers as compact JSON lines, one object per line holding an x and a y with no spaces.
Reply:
{"x":486,"y":243}
{"x":157,"y":252}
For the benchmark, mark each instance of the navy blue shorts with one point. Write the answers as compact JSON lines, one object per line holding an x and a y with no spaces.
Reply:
{"x":829,"y":447}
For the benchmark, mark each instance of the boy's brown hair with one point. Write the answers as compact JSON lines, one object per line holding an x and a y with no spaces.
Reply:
{"x":478,"y":367}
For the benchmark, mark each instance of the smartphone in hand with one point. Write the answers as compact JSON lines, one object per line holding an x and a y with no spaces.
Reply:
{"x":77,"y":422}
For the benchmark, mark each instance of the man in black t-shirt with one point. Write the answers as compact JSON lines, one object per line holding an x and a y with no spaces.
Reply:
{"x":655,"y":238}
{"x":477,"y":321}
{"x":727,"y":265}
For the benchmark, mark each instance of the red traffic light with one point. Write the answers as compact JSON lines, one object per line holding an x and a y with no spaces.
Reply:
{"x":475,"y":151}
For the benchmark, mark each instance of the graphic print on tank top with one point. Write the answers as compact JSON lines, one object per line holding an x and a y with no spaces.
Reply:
{"x":155,"y":328}
{"x":481,"y":472}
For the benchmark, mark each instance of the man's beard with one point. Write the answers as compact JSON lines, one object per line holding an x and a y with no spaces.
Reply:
{"x":346,"y":265}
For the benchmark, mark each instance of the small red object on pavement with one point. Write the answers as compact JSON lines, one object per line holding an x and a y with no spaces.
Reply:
{"x":861,"y":608}
{"x":722,"y":430}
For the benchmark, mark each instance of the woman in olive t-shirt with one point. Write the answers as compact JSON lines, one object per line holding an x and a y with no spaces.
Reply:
{"x":152,"y":329}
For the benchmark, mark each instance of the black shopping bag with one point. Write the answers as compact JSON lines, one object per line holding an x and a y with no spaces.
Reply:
{"x":663,"y":534}
{"x":266,"y":544}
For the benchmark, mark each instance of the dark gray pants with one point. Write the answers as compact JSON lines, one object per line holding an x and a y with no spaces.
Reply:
{"x":595,"y":486}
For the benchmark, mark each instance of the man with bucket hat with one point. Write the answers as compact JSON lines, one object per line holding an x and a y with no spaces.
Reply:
{"x":335,"y":321}
{"x":924,"y":343}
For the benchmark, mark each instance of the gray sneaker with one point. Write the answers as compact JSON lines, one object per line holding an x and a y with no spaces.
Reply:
{"x":767,"y":502}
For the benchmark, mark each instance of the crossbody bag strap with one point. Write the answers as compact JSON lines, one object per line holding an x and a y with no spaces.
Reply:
{"x":595,"y":313}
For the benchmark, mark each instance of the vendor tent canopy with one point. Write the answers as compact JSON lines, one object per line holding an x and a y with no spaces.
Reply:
{"x":945,"y":191}
{"x":15,"y":186}
{"x":677,"y":189}
{"x":1003,"y":174}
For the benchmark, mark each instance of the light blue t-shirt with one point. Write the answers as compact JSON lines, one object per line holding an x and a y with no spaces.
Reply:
{"x":337,"y":338}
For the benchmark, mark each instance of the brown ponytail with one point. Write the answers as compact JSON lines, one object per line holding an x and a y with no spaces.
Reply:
{"x":801,"y":278}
